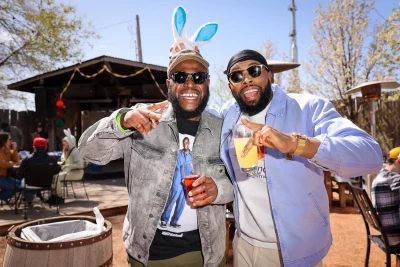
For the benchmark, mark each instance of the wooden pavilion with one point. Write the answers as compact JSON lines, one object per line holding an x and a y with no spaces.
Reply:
{"x":88,"y":99}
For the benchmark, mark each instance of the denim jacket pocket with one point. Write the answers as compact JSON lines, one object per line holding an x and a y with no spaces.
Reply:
{"x":148,"y":151}
{"x":145,"y":154}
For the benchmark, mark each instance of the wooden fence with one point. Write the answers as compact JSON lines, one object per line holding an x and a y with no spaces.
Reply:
{"x":25,"y":120}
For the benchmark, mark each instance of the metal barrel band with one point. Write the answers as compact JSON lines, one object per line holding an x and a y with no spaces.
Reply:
{"x":57,"y":245}
{"x":108,"y":263}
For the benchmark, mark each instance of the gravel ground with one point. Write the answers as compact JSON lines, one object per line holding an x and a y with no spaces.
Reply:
{"x":349,"y":242}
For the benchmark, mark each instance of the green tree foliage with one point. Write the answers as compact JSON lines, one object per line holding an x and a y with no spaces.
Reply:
{"x":39,"y":35}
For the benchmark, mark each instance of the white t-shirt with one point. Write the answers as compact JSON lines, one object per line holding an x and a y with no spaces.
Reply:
{"x":255,"y":218}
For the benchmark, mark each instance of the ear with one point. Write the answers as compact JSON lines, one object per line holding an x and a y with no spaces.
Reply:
{"x":230,"y":86}
{"x":204,"y":34}
{"x":168,"y":81}
{"x":179,"y":19}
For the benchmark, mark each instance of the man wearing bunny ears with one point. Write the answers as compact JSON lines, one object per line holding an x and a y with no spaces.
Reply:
{"x":148,"y":138}
{"x":281,"y":209}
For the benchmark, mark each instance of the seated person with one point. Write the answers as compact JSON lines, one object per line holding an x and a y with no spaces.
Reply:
{"x":386,"y":194}
{"x":71,"y":165}
{"x":8,"y":159}
{"x":39,"y":156}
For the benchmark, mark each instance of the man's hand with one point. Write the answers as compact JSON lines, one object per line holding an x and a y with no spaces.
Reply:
{"x":181,"y":47}
{"x":267,"y":136}
{"x":204,"y":191}
{"x":143,"y":119}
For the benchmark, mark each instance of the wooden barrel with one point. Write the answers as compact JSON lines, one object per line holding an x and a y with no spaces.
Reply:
{"x":92,"y":251}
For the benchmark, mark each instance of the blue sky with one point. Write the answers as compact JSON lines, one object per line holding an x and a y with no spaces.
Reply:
{"x":242,"y":24}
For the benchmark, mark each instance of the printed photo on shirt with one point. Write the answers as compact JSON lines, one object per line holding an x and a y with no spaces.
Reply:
{"x":178,"y":216}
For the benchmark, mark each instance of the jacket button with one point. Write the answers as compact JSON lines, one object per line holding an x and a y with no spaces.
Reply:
{"x":145,"y":236}
{"x":165,"y":172}
{"x":157,"y":194}
{"x":139,"y":257}
{"x":151,"y":215}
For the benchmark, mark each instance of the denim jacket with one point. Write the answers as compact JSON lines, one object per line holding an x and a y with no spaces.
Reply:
{"x":150,"y":162}
{"x":299,"y":201}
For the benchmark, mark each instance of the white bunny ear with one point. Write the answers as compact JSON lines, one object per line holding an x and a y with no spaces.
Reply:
{"x":179,"y":26}
{"x":204,"y":34}
{"x":67,"y":132}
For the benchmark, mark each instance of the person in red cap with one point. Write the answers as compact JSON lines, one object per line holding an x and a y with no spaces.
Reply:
{"x":39,"y":156}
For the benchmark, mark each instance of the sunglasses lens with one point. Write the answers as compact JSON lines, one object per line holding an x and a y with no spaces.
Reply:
{"x":254,"y":71}
{"x":180,"y":77}
{"x":199,"y":77}
{"x":236,"y":76}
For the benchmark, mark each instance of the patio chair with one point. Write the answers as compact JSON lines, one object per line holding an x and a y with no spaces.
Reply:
{"x":342,"y":185}
{"x":39,"y":178}
{"x":371,"y":219}
{"x":65,"y":182}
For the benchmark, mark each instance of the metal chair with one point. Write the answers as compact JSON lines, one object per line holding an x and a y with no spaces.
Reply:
{"x":371,"y":219}
{"x":39,"y":178}
{"x":65,"y":182}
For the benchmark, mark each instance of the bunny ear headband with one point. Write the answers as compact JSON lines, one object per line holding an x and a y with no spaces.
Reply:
{"x":203,"y":35}
{"x":67,"y":132}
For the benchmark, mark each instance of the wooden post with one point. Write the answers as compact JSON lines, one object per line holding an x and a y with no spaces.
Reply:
{"x":52,"y":134}
{"x":328,"y":186}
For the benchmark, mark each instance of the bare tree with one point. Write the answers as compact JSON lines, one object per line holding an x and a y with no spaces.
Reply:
{"x":219,"y":91}
{"x":346,"y":53}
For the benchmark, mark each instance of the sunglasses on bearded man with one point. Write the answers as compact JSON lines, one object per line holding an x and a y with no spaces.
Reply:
{"x":254,"y":71}
{"x":181,"y":77}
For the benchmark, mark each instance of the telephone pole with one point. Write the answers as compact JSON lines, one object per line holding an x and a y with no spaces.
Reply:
{"x":292,"y":35}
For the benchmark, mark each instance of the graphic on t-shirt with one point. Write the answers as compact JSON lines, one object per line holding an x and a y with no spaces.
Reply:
{"x":260,"y":171}
{"x":178,"y":216}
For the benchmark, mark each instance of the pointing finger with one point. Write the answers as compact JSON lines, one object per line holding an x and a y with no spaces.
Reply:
{"x":252,"y":125}
{"x":247,"y":147}
{"x":157,"y":106}
{"x":151,"y":115}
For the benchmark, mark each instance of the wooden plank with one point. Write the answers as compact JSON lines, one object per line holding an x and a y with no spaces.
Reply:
{"x":4,"y":115}
{"x":342,"y":194}
{"x":14,"y":117}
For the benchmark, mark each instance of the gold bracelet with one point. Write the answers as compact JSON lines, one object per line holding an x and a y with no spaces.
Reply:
{"x":301,"y":143}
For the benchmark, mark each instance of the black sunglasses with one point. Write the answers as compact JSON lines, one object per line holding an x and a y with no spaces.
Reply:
{"x":238,"y":75}
{"x":182,"y":77}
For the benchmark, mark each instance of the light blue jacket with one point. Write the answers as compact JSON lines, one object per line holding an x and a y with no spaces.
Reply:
{"x":296,"y":187}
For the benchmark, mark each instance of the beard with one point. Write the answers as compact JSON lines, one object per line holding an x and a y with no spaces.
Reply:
{"x":184,"y":113}
{"x":254,"y":108}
